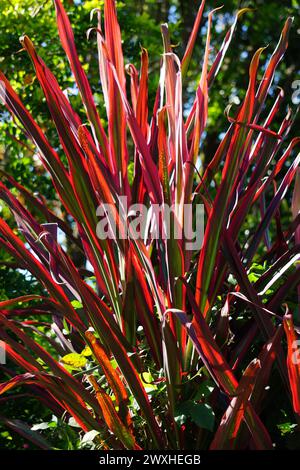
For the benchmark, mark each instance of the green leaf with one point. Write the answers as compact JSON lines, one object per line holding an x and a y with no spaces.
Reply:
{"x":147,"y":381}
{"x":40,"y":426}
{"x":204,"y":390}
{"x":130,"y":172}
{"x":86,"y":352}
{"x":286,"y":428}
{"x":74,"y":360}
{"x":89,"y":437}
{"x":200,"y":413}
{"x":76,"y":304}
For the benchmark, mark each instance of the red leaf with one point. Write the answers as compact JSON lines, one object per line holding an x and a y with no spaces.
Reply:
{"x":293,"y":360}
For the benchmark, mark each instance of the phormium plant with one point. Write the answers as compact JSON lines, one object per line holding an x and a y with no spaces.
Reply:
{"x":150,"y":344}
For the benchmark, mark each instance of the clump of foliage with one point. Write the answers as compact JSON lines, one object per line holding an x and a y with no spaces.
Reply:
{"x":143,"y":343}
